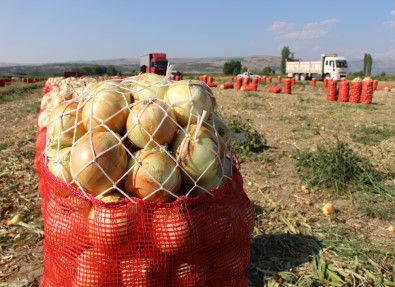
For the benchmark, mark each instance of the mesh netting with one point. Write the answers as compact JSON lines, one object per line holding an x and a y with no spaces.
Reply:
{"x":139,"y":186}
{"x":331,"y":92}
{"x":356,"y":90}
{"x":367,"y":91}
{"x":343,"y":91}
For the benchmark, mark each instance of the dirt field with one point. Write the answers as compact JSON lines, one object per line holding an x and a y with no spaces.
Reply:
{"x":293,"y":243}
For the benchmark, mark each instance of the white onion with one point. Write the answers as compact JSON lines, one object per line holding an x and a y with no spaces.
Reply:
{"x":189,"y":99}
{"x":151,"y":123}
{"x":197,"y":153}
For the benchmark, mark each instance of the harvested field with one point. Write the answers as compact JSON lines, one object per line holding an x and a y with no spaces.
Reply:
{"x":294,"y":243}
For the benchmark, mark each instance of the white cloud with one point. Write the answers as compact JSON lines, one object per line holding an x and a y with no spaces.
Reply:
{"x":312,"y":30}
{"x":393,"y":12}
{"x":280,"y":27}
{"x":390,"y":23}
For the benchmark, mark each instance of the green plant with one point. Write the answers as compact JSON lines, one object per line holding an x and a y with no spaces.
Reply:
{"x":248,"y":141}
{"x":341,"y":171}
{"x":373,"y":134}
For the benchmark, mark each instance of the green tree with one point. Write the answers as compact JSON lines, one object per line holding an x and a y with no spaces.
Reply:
{"x":286,"y":54}
{"x":369,"y":64}
{"x":267,"y":71}
{"x":365,"y":63}
{"x":112,"y":71}
{"x":232,"y":68}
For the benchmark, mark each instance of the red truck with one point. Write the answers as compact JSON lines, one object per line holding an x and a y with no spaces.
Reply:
{"x":154,"y":63}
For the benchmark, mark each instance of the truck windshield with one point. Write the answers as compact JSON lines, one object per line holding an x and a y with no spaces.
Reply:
{"x":160,"y":64}
{"x":341,"y":64}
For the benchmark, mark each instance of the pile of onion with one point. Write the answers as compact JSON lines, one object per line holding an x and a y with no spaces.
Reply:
{"x":145,"y":136}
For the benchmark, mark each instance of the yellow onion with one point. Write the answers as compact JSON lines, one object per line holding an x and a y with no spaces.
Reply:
{"x":197,"y":153}
{"x":93,"y":157}
{"x":59,"y":165}
{"x":152,"y":175}
{"x":64,"y":125}
{"x":222,"y":132}
{"x":96,"y":268}
{"x":110,"y":227}
{"x":189,"y":99}
{"x":145,"y":271}
{"x":223,"y":174}
{"x":151,"y":123}
{"x":107,"y":107}
{"x":148,"y":85}
{"x":172,"y":231}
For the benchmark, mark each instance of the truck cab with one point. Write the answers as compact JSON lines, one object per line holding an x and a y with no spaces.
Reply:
{"x":154,"y":63}
{"x":334,"y":67}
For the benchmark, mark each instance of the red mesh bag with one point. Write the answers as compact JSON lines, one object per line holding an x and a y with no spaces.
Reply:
{"x":343,"y":91}
{"x":326,"y":80}
{"x":228,"y":85}
{"x":287,"y":86}
{"x":331,"y":91}
{"x":375,"y":84}
{"x":367,"y":91}
{"x":275,"y":90}
{"x":356,"y":90}
{"x":141,"y":192}
{"x":239,"y":83}
{"x":202,"y":241}
{"x":314,"y":82}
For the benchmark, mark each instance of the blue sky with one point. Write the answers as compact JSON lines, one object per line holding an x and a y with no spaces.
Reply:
{"x":45,"y":31}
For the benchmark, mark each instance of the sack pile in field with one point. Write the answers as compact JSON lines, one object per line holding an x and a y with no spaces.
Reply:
{"x":139,"y":186}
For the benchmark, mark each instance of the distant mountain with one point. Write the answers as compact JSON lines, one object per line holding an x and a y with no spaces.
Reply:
{"x":188,"y":65}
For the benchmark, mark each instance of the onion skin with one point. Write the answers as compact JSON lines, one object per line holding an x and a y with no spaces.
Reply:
{"x":198,"y":157}
{"x":189,"y":99}
{"x":151,"y":118}
{"x":114,"y":161}
{"x":107,"y":108}
{"x":152,"y":86}
{"x":221,"y":131}
{"x":162,"y":168}
{"x":64,"y":124}
{"x":59,"y":165}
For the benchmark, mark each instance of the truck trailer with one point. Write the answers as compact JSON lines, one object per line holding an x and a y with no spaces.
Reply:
{"x":330,"y":66}
{"x":154,"y":63}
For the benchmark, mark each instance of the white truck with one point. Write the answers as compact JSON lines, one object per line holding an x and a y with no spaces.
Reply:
{"x":331,"y":65}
